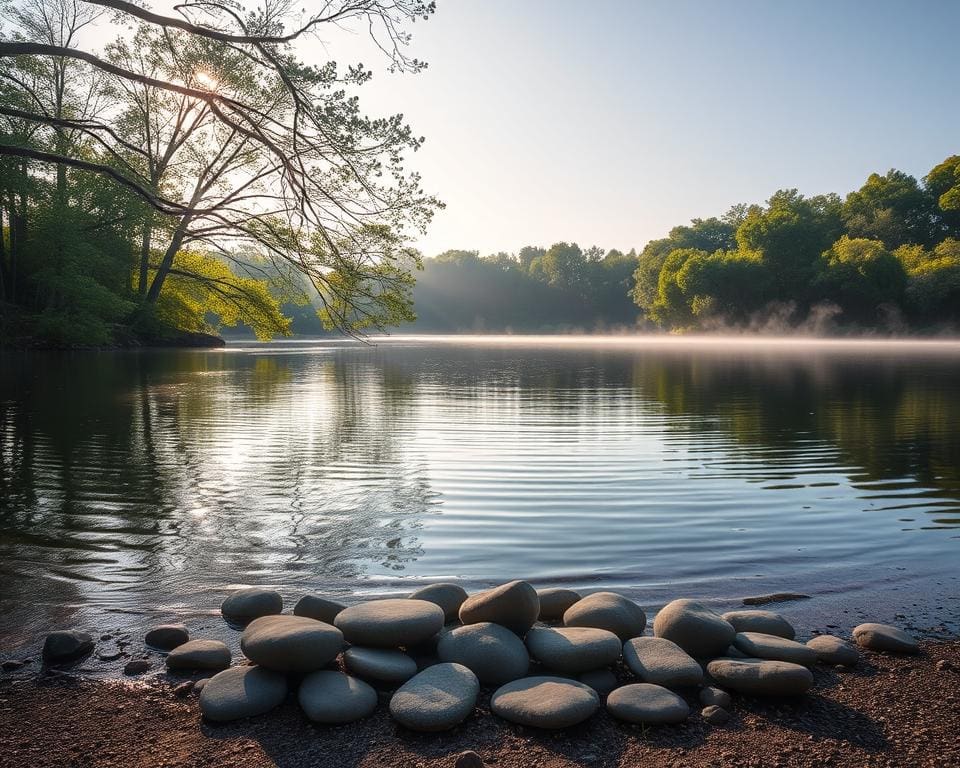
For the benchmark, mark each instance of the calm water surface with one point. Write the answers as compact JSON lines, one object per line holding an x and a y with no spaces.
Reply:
{"x":138,"y":486}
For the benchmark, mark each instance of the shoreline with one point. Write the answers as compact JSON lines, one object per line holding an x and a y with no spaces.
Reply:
{"x":889,"y":710}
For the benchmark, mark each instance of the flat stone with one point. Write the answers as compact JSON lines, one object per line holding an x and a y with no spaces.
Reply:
{"x":647,"y":703}
{"x":333,"y":697}
{"x":776,"y":597}
{"x":715,"y":715}
{"x":436,"y":699}
{"x":390,"y":623}
{"x":290,"y":643}
{"x":700,"y":631}
{"x":760,"y":677}
{"x":609,"y":611}
{"x":833,"y":650}
{"x":545,"y":702}
{"x":166,"y":637}
{"x":765,"y":622}
{"x":573,"y":649}
{"x":383,"y":665}
{"x":733,"y":652}
{"x":714,"y":697}
{"x":513,"y":605}
{"x":136,"y":667}
{"x":199,"y":654}
{"x":759,"y":646}
{"x":555,"y":601}
{"x":661,"y":662}
{"x":883,"y":637}
{"x":66,"y":645}
{"x":251,"y":603}
{"x":601,"y":680}
{"x":492,"y":652}
{"x":319,"y":608}
{"x":448,"y":596}
{"x":241,"y":692}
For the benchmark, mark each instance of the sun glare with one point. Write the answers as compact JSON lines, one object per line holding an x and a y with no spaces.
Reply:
{"x":206,"y":80}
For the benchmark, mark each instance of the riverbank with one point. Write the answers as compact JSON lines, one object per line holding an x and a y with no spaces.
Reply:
{"x":888,"y":711}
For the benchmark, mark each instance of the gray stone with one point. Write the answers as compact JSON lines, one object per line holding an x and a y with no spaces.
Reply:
{"x":183,"y":690}
{"x":883,"y":637}
{"x":601,"y":680}
{"x":555,"y":601}
{"x":390,"y":623}
{"x":290,"y":643}
{"x":573,"y":649}
{"x":545,"y":702}
{"x":381,"y":664}
{"x":166,"y":637}
{"x":492,"y":652}
{"x":436,"y":699}
{"x":448,"y":596}
{"x":468,"y":759}
{"x":833,"y":650}
{"x":136,"y":667}
{"x":661,"y":662}
{"x":333,"y":697}
{"x":733,"y":652}
{"x":66,"y":645}
{"x":251,"y":603}
{"x":199,"y":654}
{"x":513,"y":605}
{"x":759,"y":646}
{"x":647,"y":703}
{"x":760,"y":677}
{"x":242,"y":692}
{"x":198,"y":685}
{"x":766,"y":622}
{"x":609,"y":611}
{"x":11,"y":665}
{"x":701,"y":632}
{"x":715,"y":715}
{"x":319,"y":608}
{"x":714,"y":697}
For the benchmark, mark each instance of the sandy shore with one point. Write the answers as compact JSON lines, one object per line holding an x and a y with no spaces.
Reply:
{"x":890,"y":711}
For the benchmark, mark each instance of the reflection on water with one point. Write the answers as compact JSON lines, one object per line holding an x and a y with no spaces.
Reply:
{"x":148,"y":483}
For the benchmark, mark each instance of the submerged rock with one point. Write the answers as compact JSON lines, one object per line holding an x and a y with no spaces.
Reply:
{"x":492,"y":652}
{"x":380,"y":664}
{"x":319,"y":608}
{"x":166,"y":637}
{"x":760,"y":646}
{"x":661,"y":662}
{"x":883,"y":637}
{"x":776,"y":597}
{"x":610,"y":611}
{"x":199,"y":654}
{"x":760,"y":677}
{"x":436,"y":699}
{"x":765,"y":622}
{"x":573,"y":649}
{"x":514,"y":605}
{"x":833,"y":650}
{"x":136,"y":667}
{"x":448,"y":596}
{"x":251,"y":603}
{"x":555,"y":601}
{"x":390,"y":623}
{"x":290,"y":643}
{"x":328,"y":696}
{"x":647,"y":703}
{"x":700,"y":631}
{"x":545,"y":702}
{"x":242,"y":692}
{"x":66,"y":645}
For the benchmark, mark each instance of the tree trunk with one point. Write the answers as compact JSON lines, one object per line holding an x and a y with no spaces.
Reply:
{"x":145,"y":254}
{"x":164,"y":269}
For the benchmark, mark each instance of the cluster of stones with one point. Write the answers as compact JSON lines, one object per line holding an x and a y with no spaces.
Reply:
{"x":547,"y":654}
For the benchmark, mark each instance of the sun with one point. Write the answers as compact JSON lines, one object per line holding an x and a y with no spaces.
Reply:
{"x":206,"y":80}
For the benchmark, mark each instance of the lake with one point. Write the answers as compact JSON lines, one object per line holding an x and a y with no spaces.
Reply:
{"x":139,"y":486}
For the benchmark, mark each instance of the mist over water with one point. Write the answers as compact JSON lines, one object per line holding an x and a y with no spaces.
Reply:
{"x":144,"y":486}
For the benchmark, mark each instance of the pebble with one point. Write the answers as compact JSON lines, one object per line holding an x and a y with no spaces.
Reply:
{"x":290,"y":643}
{"x":545,"y":702}
{"x":833,"y":650}
{"x":11,"y":665}
{"x":183,"y":690}
{"x":698,"y":630}
{"x":241,"y":692}
{"x":199,"y":654}
{"x":647,"y":703}
{"x":661,"y":662}
{"x":319,"y":608}
{"x":447,"y":595}
{"x":492,"y":652}
{"x":332,"y":697}
{"x":199,"y":684}
{"x":66,"y":645}
{"x":715,"y":697}
{"x":760,"y":646}
{"x":767,"y":622}
{"x":513,"y":605}
{"x":715,"y":715}
{"x":610,"y":611}
{"x":437,"y":699}
{"x":468,"y":759}
{"x":761,"y":677}
{"x":555,"y":601}
{"x":390,"y":623}
{"x":380,"y":664}
{"x":166,"y":637}
{"x":251,"y":603}
{"x":573,"y":649}
{"x":136,"y":667}
{"x":883,"y":637}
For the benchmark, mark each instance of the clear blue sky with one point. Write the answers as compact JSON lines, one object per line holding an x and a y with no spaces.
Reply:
{"x":609,"y":122}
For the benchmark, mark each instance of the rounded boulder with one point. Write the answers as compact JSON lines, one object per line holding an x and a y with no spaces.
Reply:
{"x":883,"y":637}
{"x":66,"y":645}
{"x":760,"y":677}
{"x":319,"y":608}
{"x":242,"y":692}
{"x":493,"y":653}
{"x":647,"y":703}
{"x":514,"y":605}
{"x":765,"y":622}
{"x":251,"y":603}
{"x":290,"y":643}
{"x":437,"y":699}
{"x":759,"y":646}
{"x":573,"y":649}
{"x":384,"y":665}
{"x":328,"y":696}
{"x":448,"y":596}
{"x":555,"y":601}
{"x":200,"y":654}
{"x":609,"y":611}
{"x":390,"y":623}
{"x":545,"y":702}
{"x":661,"y":662}
{"x":698,"y":630}
{"x":166,"y":637}
{"x":833,"y":650}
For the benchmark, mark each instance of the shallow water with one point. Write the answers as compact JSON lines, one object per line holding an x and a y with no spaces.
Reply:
{"x":138,"y":486}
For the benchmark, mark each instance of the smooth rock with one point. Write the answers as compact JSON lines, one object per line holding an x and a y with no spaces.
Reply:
{"x":390,"y":623}
{"x":492,"y":652}
{"x":469,"y":759}
{"x":198,"y":685}
{"x":383,"y":665}
{"x":290,"y":643}
{"x":555,"y":601}
{"x":760,"y":677}
{"x":733,"y":652}
{"x":241,"y":692}
{"x":759,"y":646}
{"x":251,"y":603}
{"x":436,"y":699}
{"x":199,"y":654}
{"x":66,"y":645}
{"x":11,"y":665}
{"x":765,"y":622}
{"x":328,"y":696}
{"x":661,"y":662}
{"x":513,"y":605}
{"x":883,"y":637}
{"x":448,"y":596}
{"x":136,"y":667}
{"x":183,"y":690}
{"x":714,"y":697}
{"x":573,"y":649}
{"x":700,"y":631}
{"x":545,"y":702}
{"x":166,"y":637}
{"x":833,"y":650}
{"x":319,"y":608}
{"x":601,"y":680}
{"x":647,"y":703}
{"x":715,"y":715}
{"x":609,"y":611}
{"x":776,"y":597}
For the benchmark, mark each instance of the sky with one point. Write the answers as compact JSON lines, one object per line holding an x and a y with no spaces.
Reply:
{"x":609,"y":122}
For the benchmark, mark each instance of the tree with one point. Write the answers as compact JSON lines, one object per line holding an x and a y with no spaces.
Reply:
{"x":861,"y":276}
{"x":562,"y":266}
{"x":892,"y":208}
{"x":933,"y":281}
{"x":943,"y":183}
